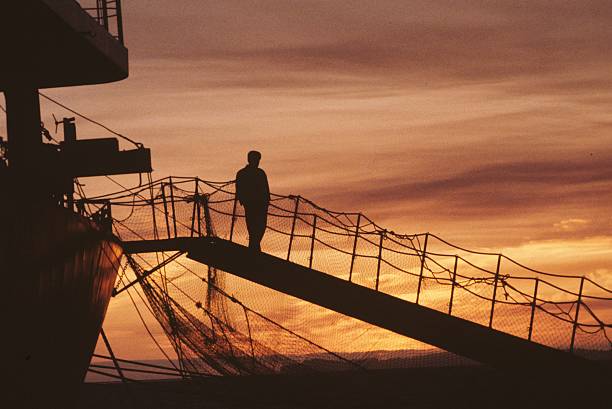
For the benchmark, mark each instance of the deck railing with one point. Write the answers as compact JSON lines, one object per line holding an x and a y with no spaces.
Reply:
{"x":108,"y":14}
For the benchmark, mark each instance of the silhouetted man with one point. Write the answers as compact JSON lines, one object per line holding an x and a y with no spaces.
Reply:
{"x":253,"y":193}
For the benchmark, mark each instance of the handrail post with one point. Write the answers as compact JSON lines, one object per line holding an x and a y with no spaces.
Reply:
{"x":579,"y":302}
{"x":199,"y":209}
{"x":104,"y":5}
{"x":119,"y":14}
{"x":533,"y":307}
{"x":155,"y":231}
{"x":312,"y":242}
{"x":207,"y":220}
{"x":380,"y":249}
{"x":422,"y":267}
{"x":354,"y":247}
{"x":163,"y":190}
{"x":295,"y":213}
{"x":494,"y":291}
{"x":231,"y":235}
{"x":199,"y":216}
{"x":452,"y":294}
{"x":173,"y":208}
{"x":195,"y":205}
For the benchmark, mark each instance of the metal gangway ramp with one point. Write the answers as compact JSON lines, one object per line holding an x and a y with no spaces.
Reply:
{"x":525,"y":320}
{"x":453,"y":334}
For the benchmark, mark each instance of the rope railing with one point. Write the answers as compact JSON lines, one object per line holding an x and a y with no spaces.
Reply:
{"x":458,"y":281}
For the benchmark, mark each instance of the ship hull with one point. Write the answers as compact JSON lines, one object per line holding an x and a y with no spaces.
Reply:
{"x":59,"y":270}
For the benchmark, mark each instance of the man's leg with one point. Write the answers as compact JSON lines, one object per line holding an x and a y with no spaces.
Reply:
{"x":251,"y":222}
{"x":261,"y":224}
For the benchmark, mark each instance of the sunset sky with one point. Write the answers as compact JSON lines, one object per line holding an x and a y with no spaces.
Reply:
{"x":488,"y":123}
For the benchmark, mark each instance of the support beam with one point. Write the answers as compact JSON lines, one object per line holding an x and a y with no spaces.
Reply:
{"x":23,"y":126}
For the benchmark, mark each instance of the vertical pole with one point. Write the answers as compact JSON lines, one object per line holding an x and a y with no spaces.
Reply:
{"x":380,"y":249}
{"x":494,"y":291}
{"x":295,"y":212}
{"x":579,"y":302}
{"x":533,"y":307}
{"x":422,"y":267}
{"x":199,"y":217}
{"x":450,"y":302}
{"x":99,"y":11}
{"x":354,"y":247}
{"x":207,"y":220}
{"x":193,"y":212}
{"x":70,"y":137}
{"x":312,"y":241}
{"x":163,"y":189}
{"x":173,"y":208}
{"x":231,"y":235}
{"x":155,"y":231}
{"x":119,"y":13}
{"x":105,"y":14}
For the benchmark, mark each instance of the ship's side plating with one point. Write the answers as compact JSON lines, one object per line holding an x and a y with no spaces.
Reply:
{"x":59,"y":270}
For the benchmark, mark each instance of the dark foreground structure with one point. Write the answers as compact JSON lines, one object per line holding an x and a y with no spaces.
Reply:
{"x":454,"y":388}
{"x":59,"y":264}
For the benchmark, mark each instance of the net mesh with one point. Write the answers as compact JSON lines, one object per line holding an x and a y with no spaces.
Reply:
{"x":221,"y":324}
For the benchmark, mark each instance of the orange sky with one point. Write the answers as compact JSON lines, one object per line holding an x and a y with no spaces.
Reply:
{"x":485,"y":122}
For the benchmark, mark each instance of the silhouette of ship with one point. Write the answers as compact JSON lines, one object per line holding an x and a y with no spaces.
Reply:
{"x":59,"y":265}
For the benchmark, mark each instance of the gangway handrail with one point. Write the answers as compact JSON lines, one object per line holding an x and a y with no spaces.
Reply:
{"x":329,"y":229}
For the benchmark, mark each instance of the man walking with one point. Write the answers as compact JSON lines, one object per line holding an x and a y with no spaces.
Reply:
{"x":253,"y":193}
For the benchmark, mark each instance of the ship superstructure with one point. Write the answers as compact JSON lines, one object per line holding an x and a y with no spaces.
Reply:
{"x":60,"y":265}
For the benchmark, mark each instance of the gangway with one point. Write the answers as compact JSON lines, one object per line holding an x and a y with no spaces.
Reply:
{"x":454,"y":334}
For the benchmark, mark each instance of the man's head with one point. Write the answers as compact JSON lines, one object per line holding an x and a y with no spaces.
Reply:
{"x":254,"y":157}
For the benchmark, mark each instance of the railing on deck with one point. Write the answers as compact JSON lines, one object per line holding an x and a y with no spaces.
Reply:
{"x":108,"y":14}
{"x":470,"y":284}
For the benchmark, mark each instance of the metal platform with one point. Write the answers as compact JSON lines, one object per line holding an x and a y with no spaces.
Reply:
{"x":56,"y":43}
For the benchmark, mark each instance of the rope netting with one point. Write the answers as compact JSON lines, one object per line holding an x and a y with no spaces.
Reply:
{"x":222,"y":324}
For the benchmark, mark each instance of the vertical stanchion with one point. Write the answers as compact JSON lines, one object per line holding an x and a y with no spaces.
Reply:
{"x":494,"y":291}
{"x":422,"y":267}
{"x":173,"y":208}
{"x":119,"y":14}
{"x":199,"y":214}
{"x":578,"y":303}
{"x":193,"y":212}
{"x":353,"y":255}
{"x":207,"y":220}
{"x":380,"y":249}
{"x":295,"y":213}
{"x":231,"y":235}
{"x":163,"y":190}
{"x":533,"y":307}
{"x":312,"y":241}
{"x":99,"y":11}
{"x":104,"y":6}
{"x":155,"y":230}
{"x":450,"y":302}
